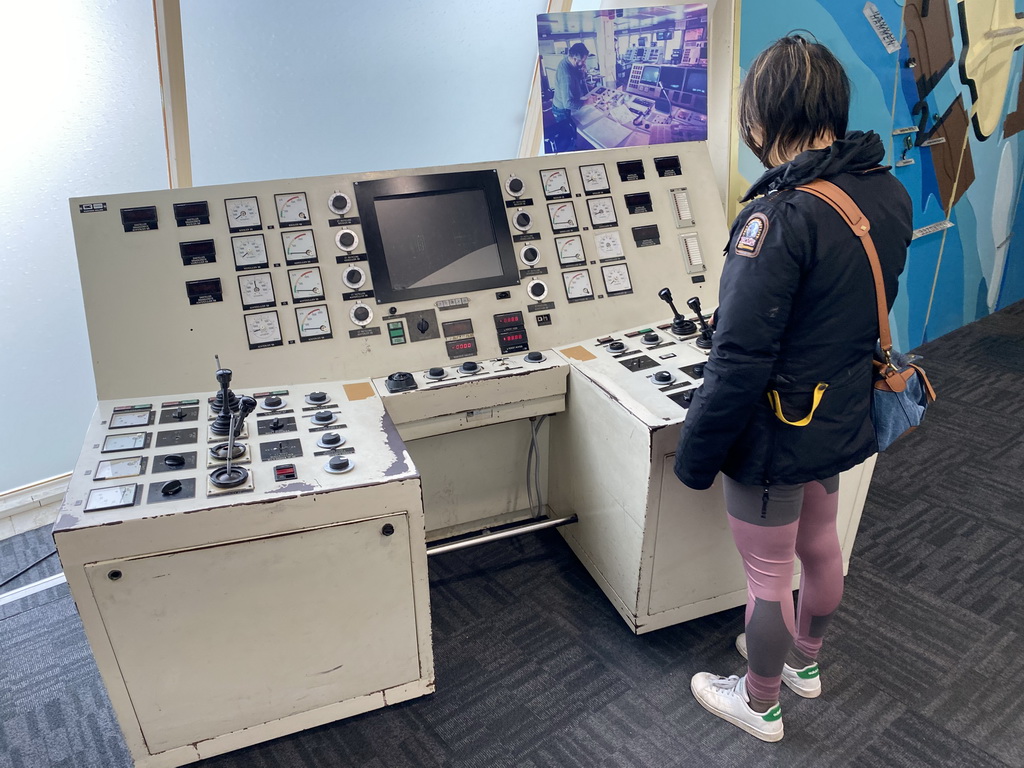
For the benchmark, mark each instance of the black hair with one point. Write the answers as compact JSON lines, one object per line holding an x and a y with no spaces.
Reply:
{"x":579,"y":49}
{"x":795,"y":93}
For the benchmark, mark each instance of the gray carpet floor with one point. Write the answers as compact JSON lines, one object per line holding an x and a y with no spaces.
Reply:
{"x":924,"y":665}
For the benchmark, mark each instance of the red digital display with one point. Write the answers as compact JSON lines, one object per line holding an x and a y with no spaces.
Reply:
{"x":508,"y":320}
{"x":461,"y":348}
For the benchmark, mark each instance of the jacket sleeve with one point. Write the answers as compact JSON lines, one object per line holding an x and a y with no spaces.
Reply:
{"x":766,"y":255}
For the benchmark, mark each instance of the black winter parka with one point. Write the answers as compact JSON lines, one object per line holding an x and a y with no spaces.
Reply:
{"x":797,"y":307}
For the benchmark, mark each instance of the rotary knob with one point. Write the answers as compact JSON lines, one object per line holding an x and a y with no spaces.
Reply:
{"x":651,"y":338}
{"x":361,"y":314}
{"x":338,"y":464}
{"x":317,"y":398}
{"x":469,"y":367}
{"x":347,"y":240}
{"x":354,"y":277}
{"x":339,"y":202}
{"x":435,"y":373}
{"x":698,"y":371}
{"x":324,"y":417}
{"x":617,"y":346}
{"x":664,"y":377}
{"x":522,"y":221}
{"x":330,"y":440}
{"x":515,"y":186}
{"x":537,"y":289}
{"x":535,"y":357}
{"x":529,"y":255}
{"x":174,"y":460}
{"x":272,"y":403}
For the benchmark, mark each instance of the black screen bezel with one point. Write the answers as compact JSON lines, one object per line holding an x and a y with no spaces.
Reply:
{"x":368,"y":192}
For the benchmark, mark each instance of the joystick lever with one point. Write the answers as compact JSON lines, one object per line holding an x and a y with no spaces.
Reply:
{"x":704,"y":342}
{"x":680,"y":325}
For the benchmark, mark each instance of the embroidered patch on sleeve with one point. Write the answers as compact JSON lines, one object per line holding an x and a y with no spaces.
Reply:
{"x":752,"y":235}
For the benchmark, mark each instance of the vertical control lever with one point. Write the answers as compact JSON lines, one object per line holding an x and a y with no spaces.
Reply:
{"x":704,"y":341}
{"x":680,"y":325}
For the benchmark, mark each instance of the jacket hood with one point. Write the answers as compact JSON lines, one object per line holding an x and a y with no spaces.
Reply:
{"x":858,"y":151}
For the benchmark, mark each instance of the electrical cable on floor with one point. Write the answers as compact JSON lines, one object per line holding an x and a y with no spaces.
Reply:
{"x":26,"y":569}
{"x":537,"y":466}
{"x":529,"y":462}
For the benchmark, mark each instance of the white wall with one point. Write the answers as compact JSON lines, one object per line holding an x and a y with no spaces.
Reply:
{"x":81,"y":115}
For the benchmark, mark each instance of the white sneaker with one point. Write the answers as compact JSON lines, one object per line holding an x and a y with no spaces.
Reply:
{"x":727,"y":697}
{"x":804,"y":682}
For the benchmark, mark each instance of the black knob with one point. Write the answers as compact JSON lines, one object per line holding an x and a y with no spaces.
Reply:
{"x":361,"y":313}
{"x":275,"y":424}
{"x":272,"y":401}
{"x":538,"y":289}
{"x":339,"y":202}
{"x":400,"y":376}
{"x":330,"y":438}
{"x":698,"y":371}
{"x":317,"y":397}
{"x":224,"y":376}
{"x":616,"y":346}
{"x":515,"y":185}
{"x":174,"y":460}
{"x":422,"y":326}
{"x":436,"y":373}
{"x":469,"y":367}
{"x":523,"y":220}
{"x":530,"y":255}
{"x":535,"y":357}
{"x":651,"y":338}
{"x":323,"y":417}
{"x":339,"y":463}
{"x":346,"y":238}
{"x":171,"y":487}
{"x":353,"y":276}
{"x":687,"y":396}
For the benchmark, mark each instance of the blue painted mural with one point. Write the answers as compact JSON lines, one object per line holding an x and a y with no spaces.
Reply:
{"x":941,"y":81}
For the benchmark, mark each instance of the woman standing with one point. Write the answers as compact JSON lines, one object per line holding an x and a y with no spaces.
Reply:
{"x":797,"y":310}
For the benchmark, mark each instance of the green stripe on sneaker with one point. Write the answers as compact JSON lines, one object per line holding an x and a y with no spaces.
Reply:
{"x":808,"y":673}
{"x":773,"y":714}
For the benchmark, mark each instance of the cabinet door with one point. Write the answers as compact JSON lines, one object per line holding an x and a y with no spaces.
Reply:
{"x":215,"y":639}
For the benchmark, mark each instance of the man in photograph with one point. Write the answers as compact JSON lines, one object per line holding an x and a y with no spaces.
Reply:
{"x":570,"y":95}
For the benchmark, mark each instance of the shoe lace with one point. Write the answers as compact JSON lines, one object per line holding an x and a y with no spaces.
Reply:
{"x":727,"y":684}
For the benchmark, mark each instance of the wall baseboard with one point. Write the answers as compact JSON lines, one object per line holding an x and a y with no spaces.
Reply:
{"x":34,"y":496}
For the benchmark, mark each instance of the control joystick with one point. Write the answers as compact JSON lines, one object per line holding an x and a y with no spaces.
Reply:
{"x":704,"y":341}
{"x":246,"y":405}
{"x":680,"y":325}
{"x":225,"y":402}
{"x":232,"y":475}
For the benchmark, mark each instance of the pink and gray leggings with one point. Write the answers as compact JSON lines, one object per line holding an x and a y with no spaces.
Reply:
{"x":770,"y":527}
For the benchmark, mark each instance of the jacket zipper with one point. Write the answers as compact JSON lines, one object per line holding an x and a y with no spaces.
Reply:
{"x":764,"y":502}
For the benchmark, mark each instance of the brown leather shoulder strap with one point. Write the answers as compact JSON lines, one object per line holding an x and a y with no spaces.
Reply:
{"x":861,"y":227}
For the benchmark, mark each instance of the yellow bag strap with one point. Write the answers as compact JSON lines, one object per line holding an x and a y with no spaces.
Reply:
{"x":776,"y":403}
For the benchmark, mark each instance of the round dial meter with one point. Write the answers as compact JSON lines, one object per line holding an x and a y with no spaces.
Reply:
{"x":243,"y":213}
{"x":577,"y":284}
{"x":128,"y":441}
{"x":595,"y":178}
{"x":298,"y":246}
{"x":263,"y":328}
{"x":570,"y":250}
{"x":616,"y":278}
{"x":292,"y":209}
{"x":257,"y":290}
{"x":609,"y":244}
{"x":314,"y":323}
{"x":306,"y":284}
{"x":602,"y":211}
{"x":555,"y":182}
{"x":250,"y":251}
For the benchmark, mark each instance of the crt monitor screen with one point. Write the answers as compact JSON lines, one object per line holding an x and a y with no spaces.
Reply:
{"x":650,"y":75}
{"x":672,"y":78}
{"x":435,"y":235}
{"x":697,"y":81}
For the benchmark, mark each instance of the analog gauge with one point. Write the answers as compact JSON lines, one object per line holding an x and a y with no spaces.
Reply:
{"x":563,"y":216}
{"x":129,"y":419}
{"x":292,"y":209}
{"x":361,"y":314}
{"x":257,"y":290}
{"x":243,"y":213}
{"x":602,"y":211}
{"x":555,"y":182}
{"x":299,"y":247}
{"x":250,"y":251}
{"x":111,"y":498}
{"x":577,"y":285}
{"x":609,"y":244}
{"x":306,"y":284}
{"x":111,"y":469}
{"x":263,"y":329}
{"x":570,"y":250}
{"x":616,"y":278}
{"x":314,"y":322}
{"x":128,"y":441}
{"x":339,"y":203}
{"x":595,"y":178}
